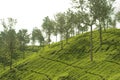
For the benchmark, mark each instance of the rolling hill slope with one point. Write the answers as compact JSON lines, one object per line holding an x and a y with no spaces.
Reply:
{"x":73,"y":62}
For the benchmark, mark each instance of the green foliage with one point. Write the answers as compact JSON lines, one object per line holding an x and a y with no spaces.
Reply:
{"x":118,"y":16}
{"x":23,"y":39}
{"x":8,"y":41}
{"x":48,"y":27}
{"x":37,"y":35}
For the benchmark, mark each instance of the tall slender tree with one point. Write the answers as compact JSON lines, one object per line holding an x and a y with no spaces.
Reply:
{"x":37,"y":35}
{"x":87,"y":17}
{"x":60,"y":19}
{"x":10,"y":38}
{"x":48,"y":27}
{"x":55,"y":32}
{"x":100,"y":10}
{"x":68,"y":24}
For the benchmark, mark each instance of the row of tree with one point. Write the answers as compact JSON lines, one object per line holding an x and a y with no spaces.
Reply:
{"x":81,"y":18}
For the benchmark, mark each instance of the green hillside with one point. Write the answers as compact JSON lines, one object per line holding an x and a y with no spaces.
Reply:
{"x":73,"y":62}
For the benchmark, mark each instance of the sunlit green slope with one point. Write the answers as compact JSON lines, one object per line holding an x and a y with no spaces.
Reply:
{"x":73,"y":62}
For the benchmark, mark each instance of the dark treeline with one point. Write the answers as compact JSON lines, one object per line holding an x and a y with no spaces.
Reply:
{"x":81,"y":18}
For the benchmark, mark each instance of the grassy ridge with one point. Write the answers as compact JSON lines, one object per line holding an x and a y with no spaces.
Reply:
{"x":72,"y":63}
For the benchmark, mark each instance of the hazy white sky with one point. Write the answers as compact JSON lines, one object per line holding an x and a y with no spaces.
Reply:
{"x":30,"y":13}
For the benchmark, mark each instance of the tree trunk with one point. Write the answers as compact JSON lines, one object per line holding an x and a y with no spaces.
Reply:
{"x":91,"y":45}
{"x":43,"y":45}
{"x":23,"y":49}
{"x":11,"y":51}
{"x":78,"y":29}
{"x":49,"y":40}
{"x":82,"y":31}
{"x":56,"y":38}
{"x":23,"y":54}
{"x":3,"y":61}
{"x":4,"y":66}
{"x":100,"y":35}
{"x":61,"y":42}
{"x":104,"y":26}
{"x":67,"y":37}
{"x":107,"y":24}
